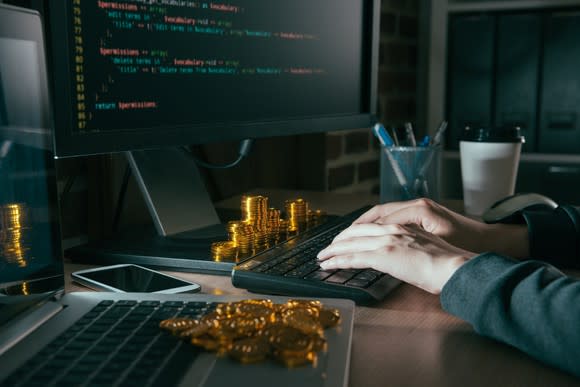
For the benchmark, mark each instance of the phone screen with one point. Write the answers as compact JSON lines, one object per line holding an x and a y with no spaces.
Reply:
{"x":135,"y":279}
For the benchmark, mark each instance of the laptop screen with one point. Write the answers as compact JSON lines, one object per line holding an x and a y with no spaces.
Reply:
{"x":30,"y":252}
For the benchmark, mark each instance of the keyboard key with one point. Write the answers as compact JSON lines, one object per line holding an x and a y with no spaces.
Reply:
{"x":320,"y":275}
{"x":366,"y":275}
{"x":359,"y":283}
{"x":126,"y":303}
{"x":149,"y":303}
{"x":340,"y":277}
{"x":172,"y":304}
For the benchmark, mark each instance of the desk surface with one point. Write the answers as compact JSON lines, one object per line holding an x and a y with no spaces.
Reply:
{"x":407,"y":339}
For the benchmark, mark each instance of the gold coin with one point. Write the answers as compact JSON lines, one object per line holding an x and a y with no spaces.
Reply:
{"x":302,"y":320}
{"x":294,"y":303}
{"x":196,"y":330}
{"x":178,"y":324}
{"x":318,"y":343}
{"x":206,"y":342}
{"x":329,"y":317}
{"x":250,"y":350}
{"x":296,"y":361}
{"x":292,"y":342}
{"x":257,"y":311}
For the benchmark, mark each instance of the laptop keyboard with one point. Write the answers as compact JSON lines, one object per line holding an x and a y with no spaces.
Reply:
{"x":117,"y":343}
{"x":291,"y":268}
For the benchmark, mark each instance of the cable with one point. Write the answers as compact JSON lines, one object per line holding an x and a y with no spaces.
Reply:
{"x":243,"y":151}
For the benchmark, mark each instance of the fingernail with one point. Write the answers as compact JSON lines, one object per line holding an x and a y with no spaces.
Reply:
{"x":323,"y":265}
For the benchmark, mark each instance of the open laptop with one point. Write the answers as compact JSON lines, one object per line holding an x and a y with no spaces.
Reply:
{"x":48,"y":337}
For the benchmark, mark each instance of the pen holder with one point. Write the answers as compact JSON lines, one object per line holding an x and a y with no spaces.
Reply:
{"x":409,"y":173}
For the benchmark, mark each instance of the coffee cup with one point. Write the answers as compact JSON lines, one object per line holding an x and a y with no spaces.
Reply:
{"x":489,"y":166}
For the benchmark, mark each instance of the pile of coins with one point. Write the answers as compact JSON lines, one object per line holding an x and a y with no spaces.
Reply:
{"x":261,"y":227}
{"x":252,"y":331}
{"x":297,"y":211}
{"x":13,"y":232}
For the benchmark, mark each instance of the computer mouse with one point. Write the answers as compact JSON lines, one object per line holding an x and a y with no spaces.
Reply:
{"x":508,"y":209}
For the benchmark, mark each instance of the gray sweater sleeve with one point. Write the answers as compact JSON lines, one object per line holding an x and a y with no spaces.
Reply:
{"x":530,"y":305}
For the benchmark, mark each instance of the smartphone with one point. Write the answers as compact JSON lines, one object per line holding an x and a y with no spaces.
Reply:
{"x":127,"y":278}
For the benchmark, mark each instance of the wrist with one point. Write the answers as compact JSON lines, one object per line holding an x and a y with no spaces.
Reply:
{"x":508,"y":239}
{"x":451,"y":266}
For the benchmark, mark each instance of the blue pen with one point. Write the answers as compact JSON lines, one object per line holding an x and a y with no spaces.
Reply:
{"x":386,"y":141}
{"x":383,"y":136}
{"x":425,"y":141}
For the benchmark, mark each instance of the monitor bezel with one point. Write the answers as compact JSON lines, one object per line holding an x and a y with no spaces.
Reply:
{"x":70,"y":144}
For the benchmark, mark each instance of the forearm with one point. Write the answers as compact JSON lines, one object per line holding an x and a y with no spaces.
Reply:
{"x":530,"y":305}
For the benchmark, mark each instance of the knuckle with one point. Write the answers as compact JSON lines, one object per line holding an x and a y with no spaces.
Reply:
{"x":399,"y":228}
{"x":425,"y":203}
{"x":388,"y":249}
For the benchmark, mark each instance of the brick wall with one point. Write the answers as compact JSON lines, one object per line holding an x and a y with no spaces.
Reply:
{"x":352,"y":157}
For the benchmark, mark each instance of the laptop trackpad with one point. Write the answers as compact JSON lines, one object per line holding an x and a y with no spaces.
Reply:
{"x":209,"y":371}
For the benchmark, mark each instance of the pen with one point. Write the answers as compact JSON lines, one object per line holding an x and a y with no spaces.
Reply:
{"x":410,"y":134}
{"x":439,"y":133}
{"x":382,"y":134}
{"x":386,"y":140}
{"x":425,"y":141}
{"x":395,"y":137}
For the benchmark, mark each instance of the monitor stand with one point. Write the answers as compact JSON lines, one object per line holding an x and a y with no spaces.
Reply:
{"x":185,"y":219}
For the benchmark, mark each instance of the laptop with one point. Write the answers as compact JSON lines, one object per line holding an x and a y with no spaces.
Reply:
{"x":49,"y":337}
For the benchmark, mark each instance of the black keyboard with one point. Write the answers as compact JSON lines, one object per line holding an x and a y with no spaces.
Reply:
{"x":291,"y":268}
{"x":116,"y":343}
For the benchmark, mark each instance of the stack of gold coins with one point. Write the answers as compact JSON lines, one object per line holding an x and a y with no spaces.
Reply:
{"x":13,"y":229}
{"x":251,"y":331}
{"x":273,"y":225}
{"x":224,"y":251}
{"x":261,"y":240}
{"x":297,"y":213}
{"x":283,"y":230}
{"x":241,"y":234}
{"x":255,"y":211}
{"x":316,"y":217}
{"x":262,"y":227}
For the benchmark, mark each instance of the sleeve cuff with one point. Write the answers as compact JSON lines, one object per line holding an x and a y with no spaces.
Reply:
{"x":554,"y":235}
{"x":466,"y":291}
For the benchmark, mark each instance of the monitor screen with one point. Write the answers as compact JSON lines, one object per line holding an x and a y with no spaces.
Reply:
{"x":140,"y":74}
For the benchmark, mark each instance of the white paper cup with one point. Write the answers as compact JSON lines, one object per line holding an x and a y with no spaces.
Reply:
{"x":489,"y":166}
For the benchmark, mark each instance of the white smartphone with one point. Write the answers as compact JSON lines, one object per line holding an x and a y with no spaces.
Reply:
{"x":128,"y":278}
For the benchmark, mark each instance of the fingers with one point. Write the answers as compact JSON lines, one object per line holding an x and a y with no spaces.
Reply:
{"x":383,"y":210}
{"x":369,"y":229}
{"x":359,"y":244}
{"x":415,"y":215}
{"x":359,"y":260}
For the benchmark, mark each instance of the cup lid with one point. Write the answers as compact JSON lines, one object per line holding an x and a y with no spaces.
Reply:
{"x":506,"y":134}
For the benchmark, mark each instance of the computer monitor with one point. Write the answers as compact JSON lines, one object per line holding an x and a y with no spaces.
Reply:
{"x":143,"y":76}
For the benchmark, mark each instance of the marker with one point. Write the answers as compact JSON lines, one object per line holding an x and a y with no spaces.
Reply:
{"x":439,"y":133}
{"x":382,"y":134}
{"x":410,"y":134}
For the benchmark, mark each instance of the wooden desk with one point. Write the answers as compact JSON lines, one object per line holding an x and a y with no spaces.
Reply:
{"x":408,"y":340}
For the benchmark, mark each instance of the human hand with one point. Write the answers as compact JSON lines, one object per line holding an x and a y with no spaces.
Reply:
{"x":408,"y":253}
{"x":458,"y":230}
